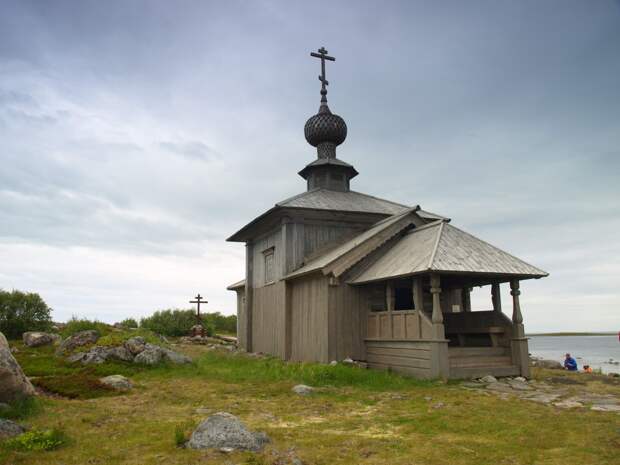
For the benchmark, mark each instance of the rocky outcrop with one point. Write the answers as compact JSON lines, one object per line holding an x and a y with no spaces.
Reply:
{"x":135,"y":345}
{"x":135,"y":350}
{"x":37,"y":338}
{"x":544,"y":363}
{"x":118,"y":382}
{"x":9,"y":429}
{"x":13,"y":382}
{"x":81,"y":339}
{"x":225,"y":431}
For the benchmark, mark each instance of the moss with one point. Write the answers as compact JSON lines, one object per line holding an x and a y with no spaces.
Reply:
{"x":81,"y":385}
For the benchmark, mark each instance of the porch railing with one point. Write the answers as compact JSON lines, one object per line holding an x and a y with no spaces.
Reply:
{"x":399,"y":325}
{"x":458,"y":326}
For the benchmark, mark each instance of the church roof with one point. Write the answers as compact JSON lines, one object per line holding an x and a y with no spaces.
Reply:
{"x":325,"y":199}
{"x":441,"y":247}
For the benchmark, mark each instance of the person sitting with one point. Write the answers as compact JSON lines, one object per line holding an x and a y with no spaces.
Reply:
{"x":569,"y":363}
{"x":587,"y":368}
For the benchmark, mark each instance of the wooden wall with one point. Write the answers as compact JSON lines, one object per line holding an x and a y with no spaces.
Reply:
{"x":265,"y":242}
{"x":348,"y":307}
{"x":241,"y":319}
{"x":309,"y":319}
{"x":407,"y":357}
{"x":268,"y":319}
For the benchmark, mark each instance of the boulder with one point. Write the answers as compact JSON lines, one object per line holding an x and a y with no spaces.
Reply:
{"x":135,"y":345}
{"x":100,"y":354}
{"x":151,"y":355}
{"x":488,"y":379}
{"x":13,"y":382}
{"x":37,"y":339}
{"x":118,"y":382}
{"x":80,"y":339}
{"x":175,"y":357}
{"x":9,"y":429}
{"x":544,"y":363}
{"x":303,"y":390}
{"x":223,"y":430}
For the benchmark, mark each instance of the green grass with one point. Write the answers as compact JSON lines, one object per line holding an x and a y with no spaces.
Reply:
{"x":37,"y":440}
{"x":75,"y":325}
{"x":21,"y":408}
{"x":355,"y":417}
{"x":117,"y":337}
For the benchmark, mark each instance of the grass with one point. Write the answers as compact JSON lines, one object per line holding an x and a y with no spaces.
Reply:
{"x":355,"y":417}
{"x":21,"y":408}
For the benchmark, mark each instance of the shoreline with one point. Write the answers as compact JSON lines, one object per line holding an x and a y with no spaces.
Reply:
{"x":569,"y":333}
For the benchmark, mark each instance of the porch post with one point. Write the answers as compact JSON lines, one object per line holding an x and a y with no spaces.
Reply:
{"x":437,"y":319}
{"x":496,"y":297}
{"x":440,"y":365}
{"x":466,"y":299}
{"x":518,"y":344}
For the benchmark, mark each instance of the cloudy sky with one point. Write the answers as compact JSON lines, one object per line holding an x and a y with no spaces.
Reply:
{"x":136,"y":136}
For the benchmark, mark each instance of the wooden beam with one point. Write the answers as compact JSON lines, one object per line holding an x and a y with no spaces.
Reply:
{"x":437,"y":319}
{"x":496,"y":297}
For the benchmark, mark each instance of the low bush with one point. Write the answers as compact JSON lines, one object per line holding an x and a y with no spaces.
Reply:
{"x":83,"y":384}
{"x":21,"y":311}
{"x":20,"y":408}
{"x":222,"y":323}
{"x":116,"y":338}
{"x":75,"y":325}
{"x":129,"y":323}
{"x":37,"y":440}
{"x":170,"y":322}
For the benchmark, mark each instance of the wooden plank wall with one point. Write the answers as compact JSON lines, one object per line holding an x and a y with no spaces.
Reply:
{"x":399,"y":324}
{"x":407,"y":357}
{"x":273,"y":239}
{"x":241,"y":319}
{"x":309,"y":319}
{"x":268,"y":324}
{"x":348,"y":307}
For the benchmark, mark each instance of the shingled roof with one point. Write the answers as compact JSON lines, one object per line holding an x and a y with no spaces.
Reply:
{"x":441,"y":247}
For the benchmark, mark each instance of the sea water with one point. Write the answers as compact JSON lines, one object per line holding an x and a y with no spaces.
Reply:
{"x":600,"y":352}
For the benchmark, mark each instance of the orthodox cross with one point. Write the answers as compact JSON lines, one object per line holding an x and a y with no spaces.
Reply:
{"x":198,"y":301}
{"x":323,"y":55}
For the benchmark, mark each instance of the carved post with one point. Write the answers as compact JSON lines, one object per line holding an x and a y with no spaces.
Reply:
{"x":437,"y":319}
{"x":518,"y":344}
{"x":496,"y":297}
{"x":517,"y":318}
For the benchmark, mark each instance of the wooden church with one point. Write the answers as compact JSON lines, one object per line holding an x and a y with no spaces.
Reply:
{"x":333,"y":273}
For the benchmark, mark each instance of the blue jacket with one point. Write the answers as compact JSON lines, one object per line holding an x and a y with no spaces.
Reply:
{"x":570,"y":364}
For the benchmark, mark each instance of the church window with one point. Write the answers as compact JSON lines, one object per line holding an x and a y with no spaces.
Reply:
{"x":269,"y":265}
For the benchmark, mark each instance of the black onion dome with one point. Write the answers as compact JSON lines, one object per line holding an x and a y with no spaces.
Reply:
{"x":325,"y":127}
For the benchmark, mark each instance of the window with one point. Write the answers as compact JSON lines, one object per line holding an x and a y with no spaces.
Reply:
{"x":403,"y":298}
{"x":269,"y":265}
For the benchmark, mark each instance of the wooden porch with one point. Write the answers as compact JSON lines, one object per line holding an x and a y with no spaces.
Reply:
{"x":428,"y":341}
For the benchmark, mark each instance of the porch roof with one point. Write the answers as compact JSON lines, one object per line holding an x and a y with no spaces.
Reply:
{"x":441,"y":247}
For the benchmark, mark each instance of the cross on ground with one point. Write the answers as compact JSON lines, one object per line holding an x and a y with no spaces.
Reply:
{"x":198,"y":301}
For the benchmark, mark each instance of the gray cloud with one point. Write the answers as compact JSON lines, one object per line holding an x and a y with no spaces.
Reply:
{"x":147,"y":133}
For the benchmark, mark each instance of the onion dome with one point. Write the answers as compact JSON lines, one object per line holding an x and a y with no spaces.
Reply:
{"x":325,"y":127}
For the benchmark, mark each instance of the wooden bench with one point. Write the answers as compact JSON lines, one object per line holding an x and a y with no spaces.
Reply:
{"x":492,"y":331}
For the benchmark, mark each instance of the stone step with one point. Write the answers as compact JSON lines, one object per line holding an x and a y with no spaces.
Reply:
{"x":479,"y":372}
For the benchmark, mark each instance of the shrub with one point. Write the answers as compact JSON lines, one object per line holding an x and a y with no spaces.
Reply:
{"x":35,"y":440}
{"x":20,"y":408}
{"x":79,"y":385}
{"x":170,"y":322}
{"x":117,"y":338}
{"x":222,"y":323}
{"x":75,"y":325}
{"x":21,"y":311}
{"x":129,"y":323}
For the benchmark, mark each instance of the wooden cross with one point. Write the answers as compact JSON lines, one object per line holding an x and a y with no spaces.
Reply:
{"x":324,"y":82}
{"x":198,"y":301}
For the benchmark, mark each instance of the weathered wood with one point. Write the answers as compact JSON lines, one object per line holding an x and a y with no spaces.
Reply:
{"x":496,"y":297}
{"x":309,"y":319}
{"x":437,"y":319}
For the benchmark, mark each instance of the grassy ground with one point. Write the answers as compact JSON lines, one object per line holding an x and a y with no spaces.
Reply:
{"x":356,"y":417}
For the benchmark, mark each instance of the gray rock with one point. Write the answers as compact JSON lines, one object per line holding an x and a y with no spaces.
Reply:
{"x":488,"y":379}
{"x":519,"y":385}
{"x":520,"y":379}
{"x":606,"y":407}
{"x":568,"y":404}
{"x":149,"y":356}
{"x":542,"y":397}
{"x":120,"y":353}
{"x":303,"y":390}
{"x":100,"y":354}
{"x":37,"y":338}
{"x":9,"y":429}
{"x":175,"y":357}
{"x":80,"y":339}
{"x":333,"y":363}
{"x":13,"y":382}
{"x":118,"y":382}
{"x":135,"y":345}
{"x":564,"y":380}
{"x":223,"y":430}
{"x":543,"y":363}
